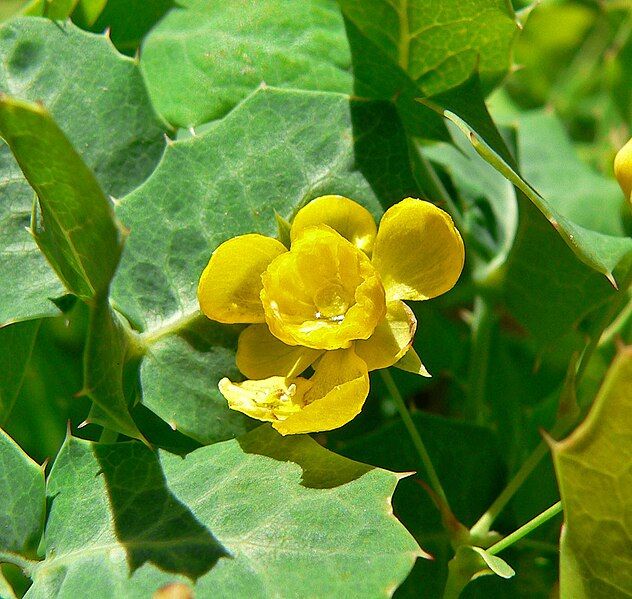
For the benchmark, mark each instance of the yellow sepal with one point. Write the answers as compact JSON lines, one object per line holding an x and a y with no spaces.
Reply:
{"x":391,"y":339}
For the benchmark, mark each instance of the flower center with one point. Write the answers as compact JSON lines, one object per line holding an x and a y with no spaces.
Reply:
{"x":324,"y":293}
{"x":331,"y":302}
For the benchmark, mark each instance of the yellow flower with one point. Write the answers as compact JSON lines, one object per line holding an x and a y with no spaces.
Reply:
{"x":333,"y":301}
{"x":623,"y":169}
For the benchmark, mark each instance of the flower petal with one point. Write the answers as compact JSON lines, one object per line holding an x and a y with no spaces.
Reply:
{"x":324,"y":293}
{"x":391,"y":339}
{"x":418,"y":251}
{"x":269,"y":400}
{"x":261,"y":355}
{"x":410,"y":362}
{"x":340,"y":386}
{"x":354,"y":222}
{"x":230,"y":285}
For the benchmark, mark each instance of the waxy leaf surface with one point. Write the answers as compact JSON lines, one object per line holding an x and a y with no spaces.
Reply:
{"x":259,"y":516}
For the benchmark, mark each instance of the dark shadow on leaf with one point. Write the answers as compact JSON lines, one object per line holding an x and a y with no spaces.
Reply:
{"x":322,"y":469}
{"x":150,"y":522}
{"x":381,"y":151}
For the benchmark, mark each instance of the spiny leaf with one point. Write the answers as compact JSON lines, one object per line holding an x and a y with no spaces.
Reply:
{"x":76,"y":229}
{"x":593,"y":466}
{"x":22,"y":501}
{"x":259,"y":516}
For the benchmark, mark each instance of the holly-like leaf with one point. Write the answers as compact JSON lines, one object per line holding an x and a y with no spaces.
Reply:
{"x":76,"y":229}
{"x":593,"y":471}
{"x":204,"y":57}
{"x":407,"y":49}
{"x":259,"y":516}
{"x":107,"y":118}
{"x":293,"y":146}
{"x":22,"y":499}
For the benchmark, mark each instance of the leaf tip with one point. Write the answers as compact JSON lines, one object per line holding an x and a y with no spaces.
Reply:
{"x":612,"y":280}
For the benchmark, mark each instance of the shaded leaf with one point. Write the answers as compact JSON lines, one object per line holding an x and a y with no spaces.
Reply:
{"x":323,"y":519}
{"x":403,"y":50}
{"x":22,"y":499}
{"x":108,"y":352}
{"x":16,"y":347}
{"x":470,"y":487}
{"x":204,"y":57}
{"x":593,"y":471}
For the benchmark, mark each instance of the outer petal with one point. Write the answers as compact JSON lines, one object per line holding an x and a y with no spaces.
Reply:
{"x":230,"y":285}
{"x":354,"y":222}
{"x":418,"y":251}
{"x":269,"y":400}
{"x":340,"y":386}
{"x":391,"y":339}
{"x":261,"y":355}
{"x":411,"y":362}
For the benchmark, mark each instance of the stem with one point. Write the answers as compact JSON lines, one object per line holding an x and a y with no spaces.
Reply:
{"x":26,"y":565}
{"x":484,"y":523}
{"x":435,"y":483}
{"x":525,"y":529}
{"x":108,"y":436}
{"x":477,"y":378}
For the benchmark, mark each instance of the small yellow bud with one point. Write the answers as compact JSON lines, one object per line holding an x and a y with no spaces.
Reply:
{"x":623,"y":169}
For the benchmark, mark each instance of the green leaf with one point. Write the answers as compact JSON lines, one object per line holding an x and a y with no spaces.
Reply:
{"x":98,"y":99}
{"x":88,"y":11}
{"x":439,"y":43}
{"x":259,"y":516}
{"x":592,"y":467}
{"x":496,"y":564}
{"x":205,"y":57}
{"x":76,"y":229}
{"x":470,"y":467}
{"x":179,"y":377}
{"x":51,"y":9}
{"x":16,"y":346}
{"x":22,"y":499}
{"x":410,"y":48}
{"x":602,"y":252}
{"x":106,"y":357}
{"x":26,"y":278}
{"x":293,"y":146}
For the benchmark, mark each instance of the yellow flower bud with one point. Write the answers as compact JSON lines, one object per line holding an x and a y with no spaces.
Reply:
{"x":623,"y":169}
